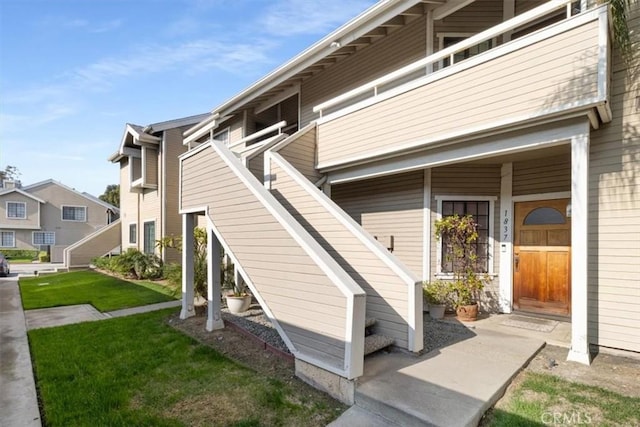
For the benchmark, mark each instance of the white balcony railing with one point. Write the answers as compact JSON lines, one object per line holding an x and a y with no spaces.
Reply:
{"x":377,"y":86}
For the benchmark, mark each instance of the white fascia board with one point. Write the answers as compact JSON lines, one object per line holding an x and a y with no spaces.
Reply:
{"x":352,"y":30}
{"x":24,"y":193}
{"x":500,"y":144}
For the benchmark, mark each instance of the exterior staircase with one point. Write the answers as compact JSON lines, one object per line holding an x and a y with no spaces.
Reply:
{"x":333,"y":292}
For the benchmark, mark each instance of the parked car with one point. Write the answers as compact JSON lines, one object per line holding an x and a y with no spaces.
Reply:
{"x":4,"y":266}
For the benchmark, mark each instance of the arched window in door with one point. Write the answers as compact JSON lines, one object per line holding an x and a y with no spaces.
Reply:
{"x":544,"y":216}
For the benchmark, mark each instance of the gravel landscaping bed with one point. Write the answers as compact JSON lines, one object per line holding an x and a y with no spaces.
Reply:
{"x":257,"y":323}
{"x":437,"y":333}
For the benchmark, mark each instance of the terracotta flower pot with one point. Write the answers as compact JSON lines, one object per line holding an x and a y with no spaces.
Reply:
{"x":467,"y":313}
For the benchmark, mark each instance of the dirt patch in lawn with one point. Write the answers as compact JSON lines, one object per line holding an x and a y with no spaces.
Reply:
{"x":237,"y":346}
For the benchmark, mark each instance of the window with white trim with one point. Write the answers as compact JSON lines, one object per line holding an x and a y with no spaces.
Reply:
{"x":74,"y":213}
{"x":16,"y":210}
{"x":149,"y":237}
{"x":7,"y":239}
{"x":133,"y":233}
{"x":44,"y":238}
{"x":481,"y":208}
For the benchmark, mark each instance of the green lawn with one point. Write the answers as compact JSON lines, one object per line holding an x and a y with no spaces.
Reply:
{"x":104,"y":292}
{"x":139,"y":371}
{"x":20,"y":260}
{"x":543,"y":399}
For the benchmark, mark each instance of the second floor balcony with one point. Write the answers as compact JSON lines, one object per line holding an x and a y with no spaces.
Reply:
{"x":546,"y":64}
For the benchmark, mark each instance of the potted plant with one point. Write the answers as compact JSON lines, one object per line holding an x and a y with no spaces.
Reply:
{"x":238,"y":299}
{"x":459,"y":235}
{"x":436,"y":294}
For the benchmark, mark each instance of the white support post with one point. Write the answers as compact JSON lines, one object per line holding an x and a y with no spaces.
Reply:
{"x":430,"y":35}
{"x":505,"y":239}
{"x":426,"y":224}
{"x":188,"y":224}
{"x":326,"y":189}
{"x":214,"y":317}
{"x":579,"y":248}
{"x":508,"y":12}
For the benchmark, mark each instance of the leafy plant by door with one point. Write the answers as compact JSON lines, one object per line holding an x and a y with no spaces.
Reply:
{"x":459,"y":235}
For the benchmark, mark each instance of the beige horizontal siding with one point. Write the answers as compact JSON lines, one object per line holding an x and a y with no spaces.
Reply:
{"x":614,"y":209}
{"x":169,"y":189}
{"x":301,"y":153}
{"x":386,"y":293}
{"x":270,"y":256}
{"x":389,"y":206}
{"x":93,"y":246}
{"x":256,"y":166}
{"x":151,"y":166}
{"x":490,"y":92}
{"x":546,"y":175}
{"x":32,"y":211}
{"x":401,"y":47}
{"x":474,"y":18}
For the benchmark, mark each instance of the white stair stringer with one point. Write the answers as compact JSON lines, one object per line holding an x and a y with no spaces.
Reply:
{"x":394,"y":293}
{"x":314,"y":304}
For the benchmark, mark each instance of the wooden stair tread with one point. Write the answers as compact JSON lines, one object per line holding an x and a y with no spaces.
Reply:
{"x":369,"y":322}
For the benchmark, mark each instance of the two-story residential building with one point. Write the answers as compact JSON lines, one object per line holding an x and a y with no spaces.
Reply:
{"x":50,"y":216}
{"x":149,"y":181}
{"x":323,"y":180}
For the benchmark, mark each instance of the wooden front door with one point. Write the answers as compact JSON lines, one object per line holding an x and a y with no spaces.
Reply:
{"x":542,"y":257}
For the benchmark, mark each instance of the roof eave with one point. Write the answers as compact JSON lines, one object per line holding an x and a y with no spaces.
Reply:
{"x":352,"y":30}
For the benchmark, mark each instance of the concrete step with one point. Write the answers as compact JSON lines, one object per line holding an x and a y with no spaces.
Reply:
{"x":369,"y":322}
{"x":358,"y":417}
{"x":375,"y":342}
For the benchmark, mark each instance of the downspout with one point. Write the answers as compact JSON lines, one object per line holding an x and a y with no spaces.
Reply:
{"x":162,"y":182}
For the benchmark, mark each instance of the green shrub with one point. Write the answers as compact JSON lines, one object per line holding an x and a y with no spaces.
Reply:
{"x":136,"y":264}
{"x":19,"y":253}
{"x":43,"y":257}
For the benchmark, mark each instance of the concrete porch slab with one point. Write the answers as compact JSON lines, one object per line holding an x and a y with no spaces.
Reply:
{"x":454,"y":385}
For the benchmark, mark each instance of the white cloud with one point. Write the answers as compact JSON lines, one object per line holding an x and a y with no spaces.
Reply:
{"x":293,"y":17}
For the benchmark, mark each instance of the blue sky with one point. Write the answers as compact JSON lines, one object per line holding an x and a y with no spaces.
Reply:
{"x":73,"y":72}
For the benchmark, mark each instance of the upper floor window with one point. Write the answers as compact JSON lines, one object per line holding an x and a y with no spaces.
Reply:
{"x":222,"y":136}
{"x":74,"y":213}
{"x":7,"y":239}
{"x":16,"y":210}
{"x":44,"y":238}
{"x":449,"y":39}
{"x":481,"y":209}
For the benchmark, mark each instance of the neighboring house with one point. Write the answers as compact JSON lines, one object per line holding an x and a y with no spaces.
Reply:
{"x":520,"y":113}
{"x":49,"y":216}
{"x":148,"y":159}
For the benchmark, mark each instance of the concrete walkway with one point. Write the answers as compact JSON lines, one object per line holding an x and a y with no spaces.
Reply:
{"x":452,"y":386}
{"x":18,"y":398}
